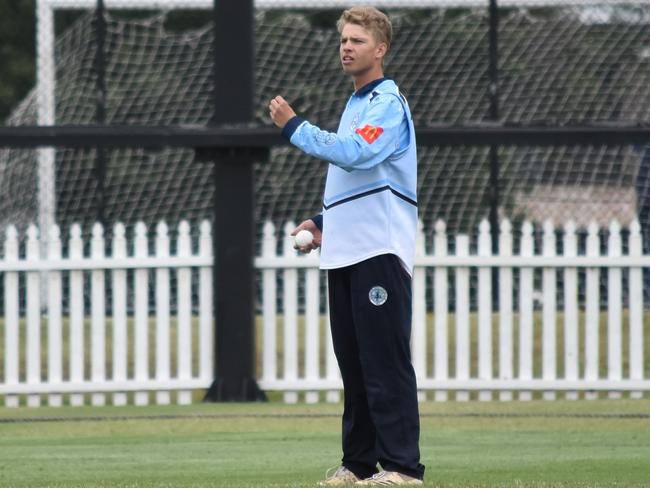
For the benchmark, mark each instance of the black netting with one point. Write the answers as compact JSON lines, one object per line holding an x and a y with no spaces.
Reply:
{"x":558,"y":66}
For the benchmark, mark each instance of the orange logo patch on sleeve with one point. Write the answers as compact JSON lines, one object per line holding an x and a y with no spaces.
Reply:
{"x":370,"y":133}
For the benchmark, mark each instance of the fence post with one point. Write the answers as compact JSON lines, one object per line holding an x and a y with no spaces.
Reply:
{"x":462,"y":317}
{"x":614,"y":309}
{"x":592,"y":311}
{"x":54,"y":325}
{"x":418,"y":336}
{"x":636,"y":309}
{"x":332,"y":371}
{"x":184,"y":325}
{"x":485,"y":310}
{"x":119,"y":314}
{"x":570,"y":308}
{"x":12,"y":317}
{"x":549,"y":310}
{"x":290,"y":309}
{"x":33,"y":316}
{"x":312,"y":329}
{"x":441,"y":310}
{"x":98,"y":315}
{"x":269,"y":304}
{"x":77,"y":347}
{"x":206,"y":325}
{"x":162,"y":313}
{"x":141,"y":315}
{"x":526,"y":310}
{"x":505,"y":309}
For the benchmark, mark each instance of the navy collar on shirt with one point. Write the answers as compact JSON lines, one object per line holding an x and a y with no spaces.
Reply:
{"x":365,"y":89}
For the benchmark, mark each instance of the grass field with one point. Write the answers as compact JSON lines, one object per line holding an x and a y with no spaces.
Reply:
{"x":604,"y":443}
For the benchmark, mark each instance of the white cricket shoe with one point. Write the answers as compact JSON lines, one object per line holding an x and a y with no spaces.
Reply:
{"x":341,"y":477}
{"x":389,"y":478}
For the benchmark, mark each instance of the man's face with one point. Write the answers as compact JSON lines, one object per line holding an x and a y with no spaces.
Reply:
{"x":359,"y":51}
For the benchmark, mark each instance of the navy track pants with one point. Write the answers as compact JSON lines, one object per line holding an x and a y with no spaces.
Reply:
{"x":370,"y":315}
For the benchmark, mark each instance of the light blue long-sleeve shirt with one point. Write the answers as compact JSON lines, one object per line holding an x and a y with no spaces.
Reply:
{"x":369,"y":206}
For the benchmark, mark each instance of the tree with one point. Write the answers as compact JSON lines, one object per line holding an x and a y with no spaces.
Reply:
{"x":17,"y":52}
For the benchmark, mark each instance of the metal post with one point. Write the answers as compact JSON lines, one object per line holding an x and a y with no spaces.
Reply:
{"x":494,"y":115}
{"x":45,"y":88}
{"x":100,"y":70}
{"x":233,"y":208}
{"x":494,"y":148}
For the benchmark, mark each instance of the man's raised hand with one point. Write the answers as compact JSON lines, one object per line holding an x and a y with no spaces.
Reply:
{"x":280,"y":111}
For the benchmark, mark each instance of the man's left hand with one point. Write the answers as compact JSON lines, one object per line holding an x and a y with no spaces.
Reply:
{"x":280,"y":111}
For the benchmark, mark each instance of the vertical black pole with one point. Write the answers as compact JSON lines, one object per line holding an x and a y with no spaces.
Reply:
{"x":100,"y":70}
{"x":233,"y":209}
{"x":494,"y":149}
{"x":494,"y":116}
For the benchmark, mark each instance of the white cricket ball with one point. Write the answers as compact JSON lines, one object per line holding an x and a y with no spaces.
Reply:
{"x":303,"y":238}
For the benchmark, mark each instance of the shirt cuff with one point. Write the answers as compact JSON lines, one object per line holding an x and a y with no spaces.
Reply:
{"x":291,"y":126}
{"x":318,"y":220}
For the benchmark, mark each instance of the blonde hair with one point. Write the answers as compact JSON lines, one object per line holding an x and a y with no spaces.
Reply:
{"x":374,"y":21}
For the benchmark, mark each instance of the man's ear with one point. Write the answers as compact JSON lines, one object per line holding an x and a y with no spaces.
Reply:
{"x":382,"y":48}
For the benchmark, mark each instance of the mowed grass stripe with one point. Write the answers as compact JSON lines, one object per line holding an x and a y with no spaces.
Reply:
{"x":605,"y":408}
{"x":493,"y":444}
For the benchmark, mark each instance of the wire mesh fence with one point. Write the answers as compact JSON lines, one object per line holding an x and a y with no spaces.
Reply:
{"x":559,"y":64}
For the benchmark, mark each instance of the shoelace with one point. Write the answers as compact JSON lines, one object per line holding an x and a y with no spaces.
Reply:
{"x":338,"y":469}
{"x":379,"y":478}
{"x":380,"y":475}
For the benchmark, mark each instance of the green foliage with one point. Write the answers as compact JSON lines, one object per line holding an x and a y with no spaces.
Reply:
{"x":18,"y":49}
{"x":17,"y":46}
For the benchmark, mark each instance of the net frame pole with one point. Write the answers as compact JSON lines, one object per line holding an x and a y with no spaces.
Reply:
{"x":493,"y":60}
{"x":494,"y":115}
{"x":233,"y":222}
{"x":100,"y":67}
{"x":204,"y":138}
{"x":45,"y":85}
{"x":330,"y":4}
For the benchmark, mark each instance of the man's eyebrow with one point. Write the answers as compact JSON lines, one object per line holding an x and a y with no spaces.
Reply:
{"x":353,"y":38}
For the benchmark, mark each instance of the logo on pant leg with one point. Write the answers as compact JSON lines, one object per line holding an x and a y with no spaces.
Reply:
{"x":378,"y":295}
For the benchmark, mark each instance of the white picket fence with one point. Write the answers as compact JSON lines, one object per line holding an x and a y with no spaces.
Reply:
{"x":127,"y":338}
{"x":511,"y":356}
{"x":531,"y":342}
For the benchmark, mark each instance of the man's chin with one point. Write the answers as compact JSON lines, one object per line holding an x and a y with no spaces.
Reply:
{"x":349,"y":70}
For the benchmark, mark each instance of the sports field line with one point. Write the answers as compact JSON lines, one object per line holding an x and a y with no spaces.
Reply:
{"x":112,"y":418}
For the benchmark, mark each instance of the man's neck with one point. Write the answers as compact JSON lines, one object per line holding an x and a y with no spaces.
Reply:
{"x":362,"y":80}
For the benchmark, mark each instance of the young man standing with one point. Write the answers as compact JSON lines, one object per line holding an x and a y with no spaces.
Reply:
{"x":367,"y":238}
